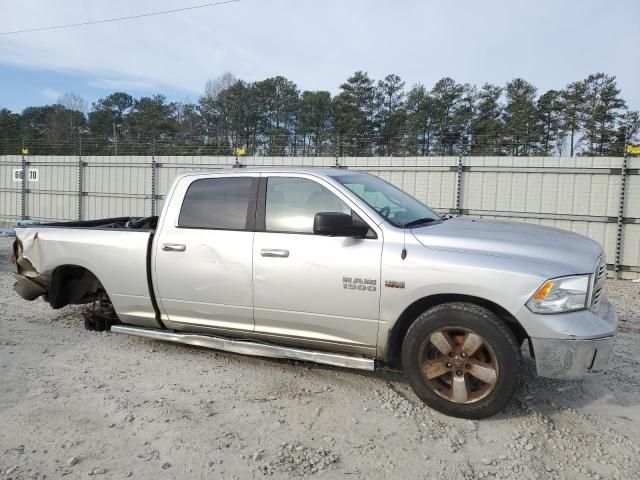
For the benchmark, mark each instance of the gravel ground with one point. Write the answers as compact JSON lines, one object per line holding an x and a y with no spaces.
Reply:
{"x":77,"y":403}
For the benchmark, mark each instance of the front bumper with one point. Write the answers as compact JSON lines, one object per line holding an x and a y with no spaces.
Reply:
{"x":571,"y":359}
{"x":573,"y":345}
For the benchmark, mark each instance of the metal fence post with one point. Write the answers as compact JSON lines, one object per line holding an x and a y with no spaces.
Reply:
{"x":459,"y":187}
{"x":620,"y":223}
{"x":23,"y":190}
{"x":80,"y":186}
{"x":154,"y":180}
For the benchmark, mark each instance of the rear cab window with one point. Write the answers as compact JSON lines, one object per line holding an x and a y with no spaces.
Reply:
{"x":221,"y":203}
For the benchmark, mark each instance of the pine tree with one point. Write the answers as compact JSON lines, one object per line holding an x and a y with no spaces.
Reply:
{"x":520,"y":118}
{"x":277,"y":100}
{"x":390,"y":116}
{"x":454,"y":112}
{"x":573,"y":112}
{"x":108,"y":112}
{"x":314,"y":120}
{"x":487,"y":126}
{"x":550,"y":107}
{"x":421,"y":120}
{"x":353,"y":110}
{"x":603,"y":107}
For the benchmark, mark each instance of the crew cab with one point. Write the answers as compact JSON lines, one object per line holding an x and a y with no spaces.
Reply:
{"x":338,"y":267}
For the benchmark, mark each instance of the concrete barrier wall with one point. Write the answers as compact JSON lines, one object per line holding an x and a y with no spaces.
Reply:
{"x":581,"y":194}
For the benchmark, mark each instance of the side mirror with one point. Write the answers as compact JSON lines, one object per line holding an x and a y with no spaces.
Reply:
{"x":336,"y":224}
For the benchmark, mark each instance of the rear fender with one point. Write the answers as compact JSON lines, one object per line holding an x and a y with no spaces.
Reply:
{"x":71,"y":284}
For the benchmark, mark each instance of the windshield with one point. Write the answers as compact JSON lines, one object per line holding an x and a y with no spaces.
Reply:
{"x":398,"y":208}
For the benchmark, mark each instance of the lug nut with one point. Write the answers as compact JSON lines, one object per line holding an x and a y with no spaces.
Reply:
{"x":463,"y":354}
{"x":451,"y":354}
{"x":459,"y":372}
{"x":448,"y":365}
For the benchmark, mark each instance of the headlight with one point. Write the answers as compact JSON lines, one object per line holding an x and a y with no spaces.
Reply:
{"x":565,"y":294}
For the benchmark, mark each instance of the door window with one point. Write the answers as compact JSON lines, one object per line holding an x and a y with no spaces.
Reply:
{"x":292,"y":204}
{"x":217,"y":203}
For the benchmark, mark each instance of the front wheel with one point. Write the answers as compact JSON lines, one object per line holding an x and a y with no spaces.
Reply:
{"x":462,"y":360}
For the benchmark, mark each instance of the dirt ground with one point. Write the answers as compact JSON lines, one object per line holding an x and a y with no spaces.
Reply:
{"x":75,"y":403}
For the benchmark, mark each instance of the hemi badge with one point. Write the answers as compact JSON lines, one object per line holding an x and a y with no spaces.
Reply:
{"x":393,"y":284}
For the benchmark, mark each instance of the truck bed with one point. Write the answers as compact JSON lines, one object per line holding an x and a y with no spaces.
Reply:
{"x":127,"y":223}
{"x":113,"y":251}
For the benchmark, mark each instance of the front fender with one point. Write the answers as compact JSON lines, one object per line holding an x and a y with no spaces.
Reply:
{"x":505,"y":282}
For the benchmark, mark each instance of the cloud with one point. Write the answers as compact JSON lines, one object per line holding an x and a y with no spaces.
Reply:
{"x":319,"y":44}
{"x":179,"y":51}
{"x":124,"y":84}
{"x":50,"y":94}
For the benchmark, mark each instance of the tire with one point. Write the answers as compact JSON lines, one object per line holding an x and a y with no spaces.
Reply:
{"x":447,"y":346}
{"x":94,"y":321}
{"x":101,"y":315}
{"x":94,"y":325}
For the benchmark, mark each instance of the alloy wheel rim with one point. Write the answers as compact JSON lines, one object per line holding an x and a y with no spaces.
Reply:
{"x":459,"y":364}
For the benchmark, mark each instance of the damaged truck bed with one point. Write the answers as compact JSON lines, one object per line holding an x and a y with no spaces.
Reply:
{"x":66,"y":259}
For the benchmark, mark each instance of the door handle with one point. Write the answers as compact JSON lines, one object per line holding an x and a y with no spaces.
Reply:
{"x":274,"y":252}
{"x":173,"y":247}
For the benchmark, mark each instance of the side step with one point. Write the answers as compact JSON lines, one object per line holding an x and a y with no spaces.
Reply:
{"x":249,"y":348}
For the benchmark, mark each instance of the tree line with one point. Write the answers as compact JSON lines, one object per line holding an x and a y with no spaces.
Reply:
{"x":365,"y":118}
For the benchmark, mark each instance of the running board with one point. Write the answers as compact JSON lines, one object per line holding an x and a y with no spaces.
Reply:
{"x":249,"y":348}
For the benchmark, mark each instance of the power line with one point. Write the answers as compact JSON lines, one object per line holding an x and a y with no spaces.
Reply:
{"x":109,"y":20}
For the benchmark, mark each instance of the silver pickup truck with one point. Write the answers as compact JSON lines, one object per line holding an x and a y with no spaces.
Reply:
{"x":336,"y":267}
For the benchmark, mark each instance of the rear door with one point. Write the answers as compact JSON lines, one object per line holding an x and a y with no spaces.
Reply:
{"x":313,"y":289}
{"x":203,"y":254}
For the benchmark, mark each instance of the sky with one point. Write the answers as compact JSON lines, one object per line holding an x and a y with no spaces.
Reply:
{"x":317,"y":44}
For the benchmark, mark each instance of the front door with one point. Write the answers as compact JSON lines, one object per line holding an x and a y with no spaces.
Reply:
{"x":203,"y":263}
{"x":323,"y":290}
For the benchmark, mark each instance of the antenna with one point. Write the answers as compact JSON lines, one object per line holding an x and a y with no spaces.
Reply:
{"x":403,"y":255}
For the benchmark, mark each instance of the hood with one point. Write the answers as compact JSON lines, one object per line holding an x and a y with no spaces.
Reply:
{"x":560,"y":248}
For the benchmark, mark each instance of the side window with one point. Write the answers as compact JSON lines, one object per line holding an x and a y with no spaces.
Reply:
{"x":292,"y":204}
{"x":217,"y":203}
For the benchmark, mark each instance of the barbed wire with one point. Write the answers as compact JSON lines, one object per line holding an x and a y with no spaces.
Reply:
{"x":305,"y":144}
{"x":264,"y":137}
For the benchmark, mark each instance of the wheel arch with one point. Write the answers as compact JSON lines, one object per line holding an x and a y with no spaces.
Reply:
{"x":393,"y":347}
{"x":72,"y":284}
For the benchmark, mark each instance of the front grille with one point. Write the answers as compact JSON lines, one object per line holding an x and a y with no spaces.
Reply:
{"x":599,"y":277}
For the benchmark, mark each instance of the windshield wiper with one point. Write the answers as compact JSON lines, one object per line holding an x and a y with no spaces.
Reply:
{"x":420,"y":221}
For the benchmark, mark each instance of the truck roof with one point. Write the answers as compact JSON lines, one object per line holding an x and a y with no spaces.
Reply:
{"x":322,"y":171}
